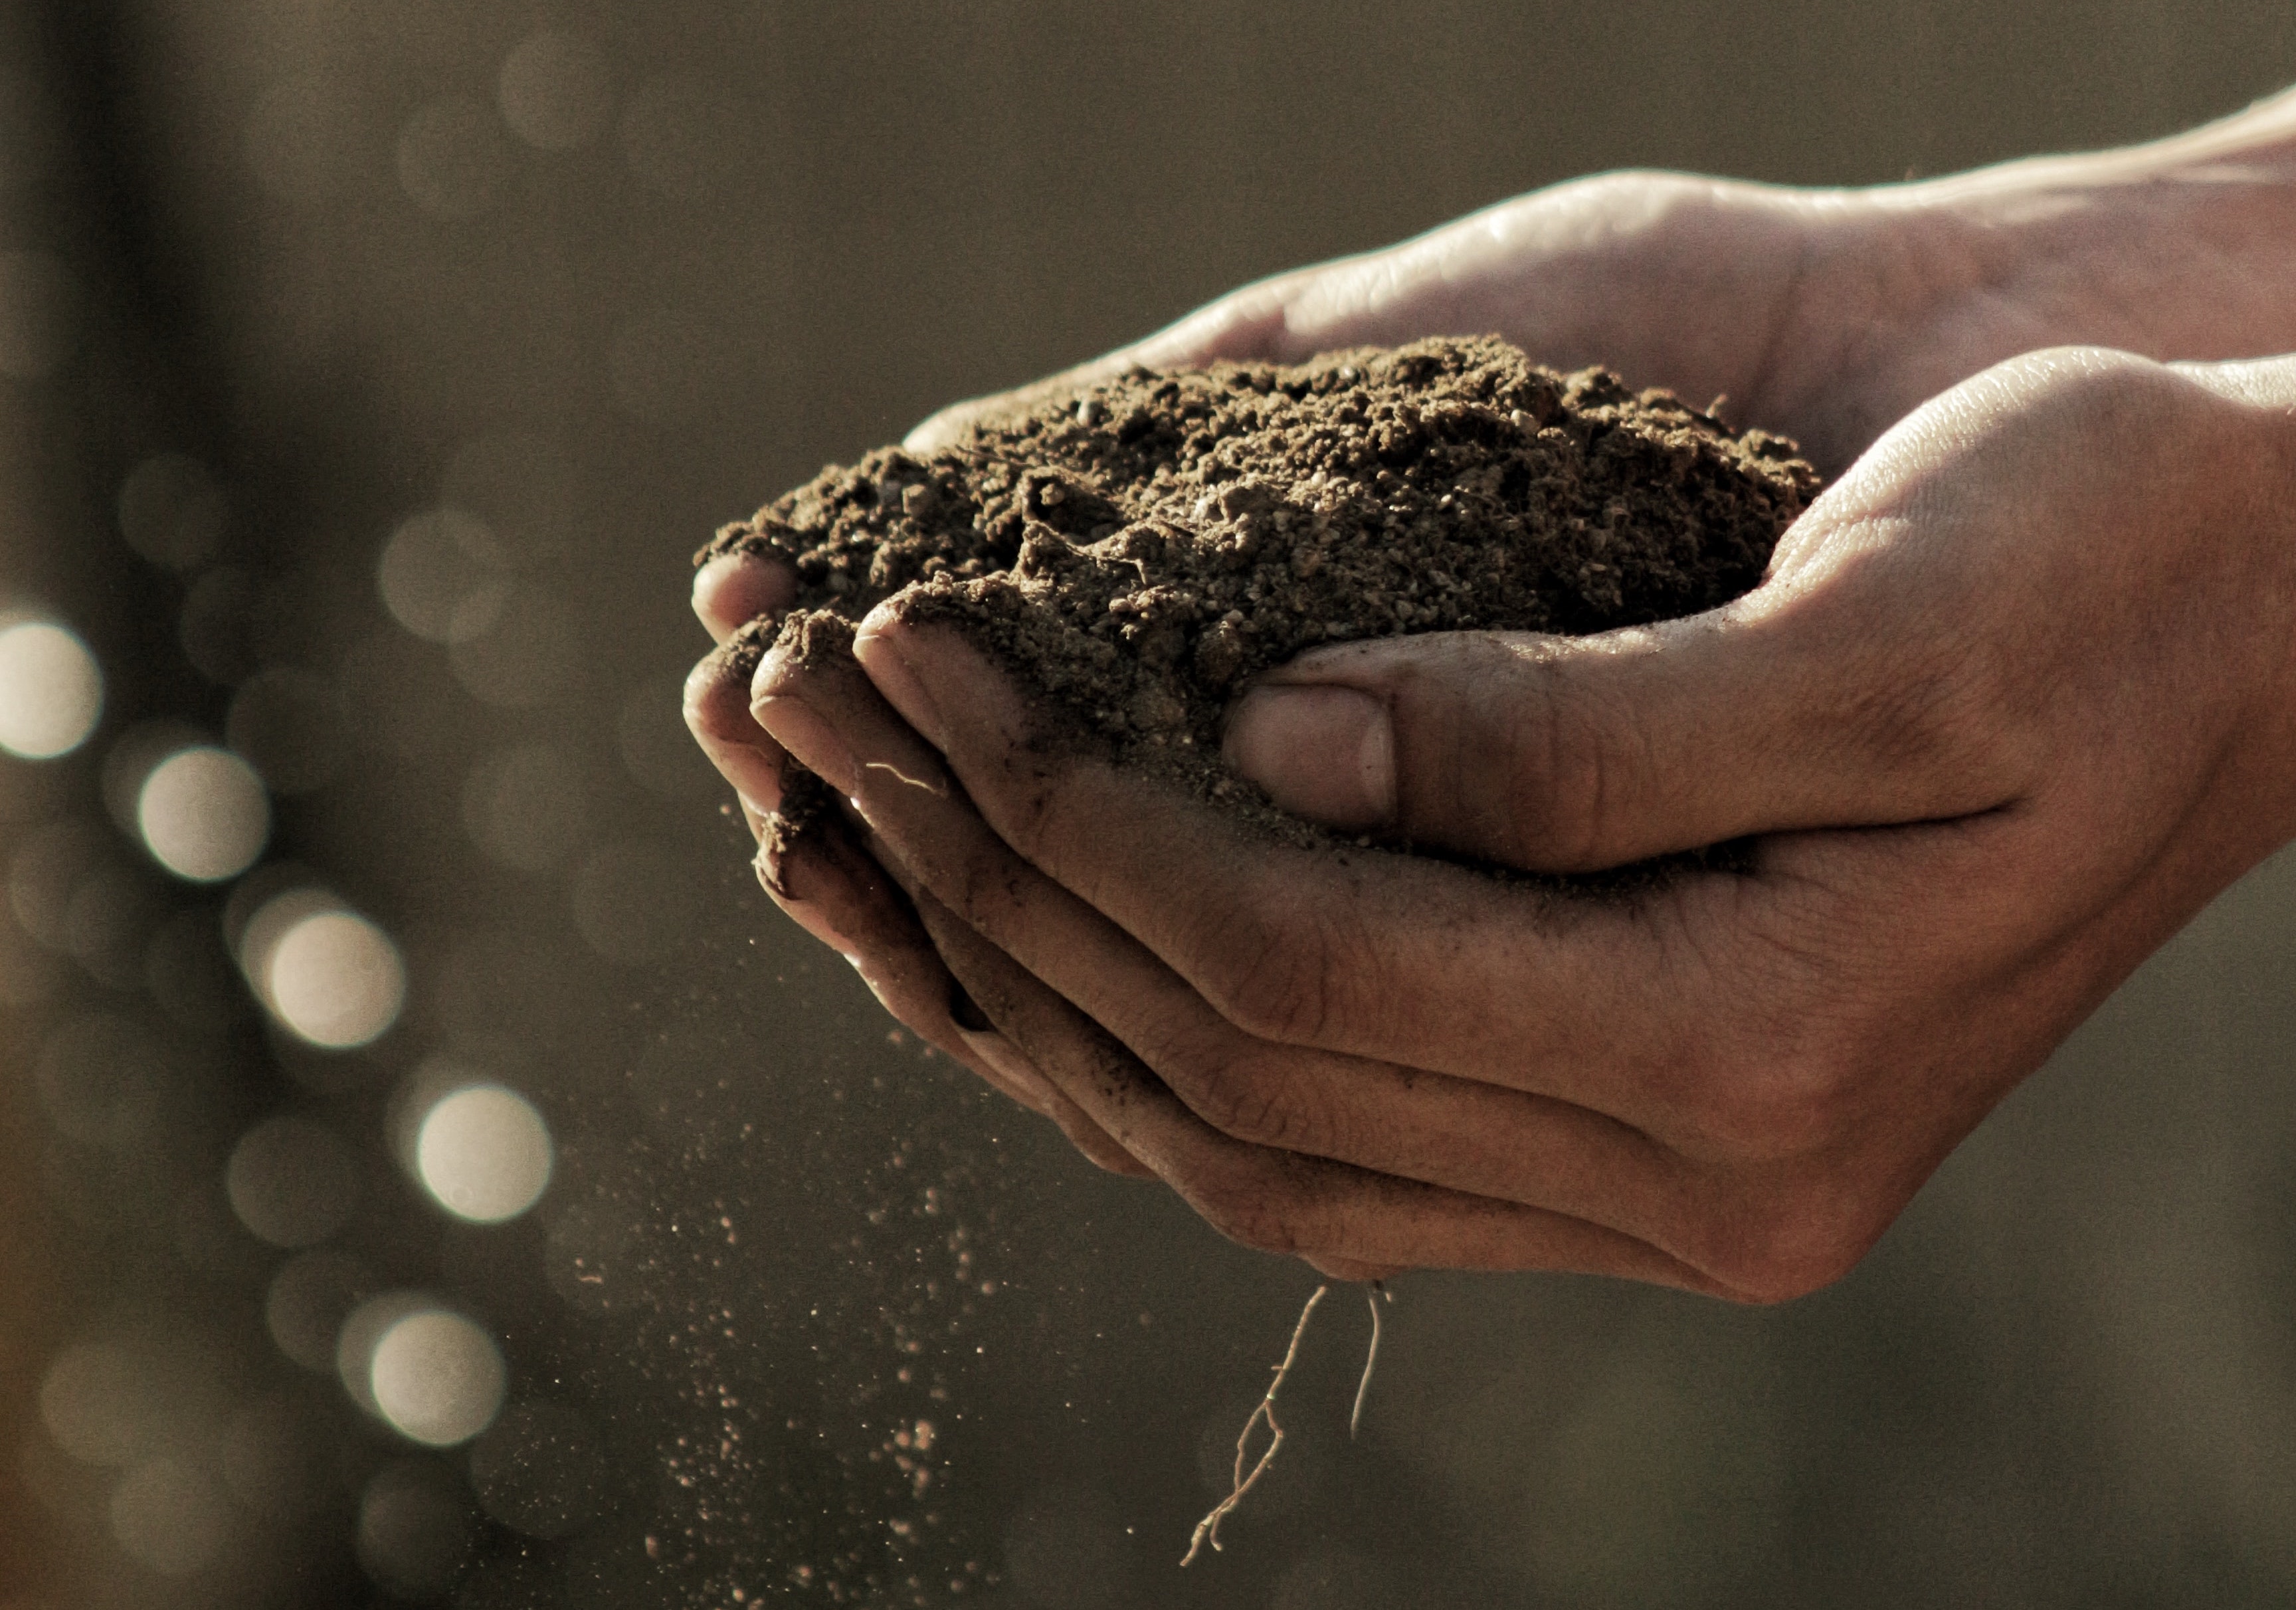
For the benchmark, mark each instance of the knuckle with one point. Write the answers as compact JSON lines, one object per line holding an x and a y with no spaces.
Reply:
{"x":1249,"y":1098}
{"x":1785,"y":1113}
{"x":1805,"y":1106}
{"x":1569,"y":751}
{"x":1634,"y":190}
{"x":1943,"y":711}
{"x":1780,"y":1105}
{"x":2094,"y":387}
{"x":1274,"y":989}
{"x":1791,"y":1089}
{"x":1271,"y":978}
{"x":1797,"y":1240}
{"x":2118,"y":404}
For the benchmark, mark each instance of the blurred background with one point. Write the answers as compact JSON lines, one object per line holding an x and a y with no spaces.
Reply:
{"x":430,"y":1172}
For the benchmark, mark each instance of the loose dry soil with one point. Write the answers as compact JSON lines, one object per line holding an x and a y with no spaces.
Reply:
{"x":1140,"y":550}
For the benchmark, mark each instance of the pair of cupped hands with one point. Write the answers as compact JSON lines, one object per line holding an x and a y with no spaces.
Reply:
{"x":2011,"y":705}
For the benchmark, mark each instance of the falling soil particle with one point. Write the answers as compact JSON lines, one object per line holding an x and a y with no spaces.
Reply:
{"x":1141,"y":549}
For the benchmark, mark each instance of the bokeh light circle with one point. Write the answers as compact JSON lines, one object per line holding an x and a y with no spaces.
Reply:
{"x":173,"y":511}
{"x":309,"y":1300}
{"x":291,"y":1182}
{"x":204,"y":814}
{"x":452,"y":163}
{"x":362,"y":1328}
{"x":554,"y":92}
{"x":439,"y":576}
{"x":100,"y":1405}
{"x":170,"y":1517}
{"x":335,"y":980}
{"x":484,"y":1152}
{"x":51,"y":690}
{"x":436,"y":1378}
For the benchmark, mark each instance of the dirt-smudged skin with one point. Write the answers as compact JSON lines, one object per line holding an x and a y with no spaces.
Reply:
{"x":1142,"y":549}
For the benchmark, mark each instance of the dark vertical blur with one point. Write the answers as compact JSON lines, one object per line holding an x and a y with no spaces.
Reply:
{"x":435,"y":1175}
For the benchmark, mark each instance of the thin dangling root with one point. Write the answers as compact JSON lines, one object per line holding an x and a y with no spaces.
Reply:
{"x":1208,"y":1529}
{"x":1377,"y":1294}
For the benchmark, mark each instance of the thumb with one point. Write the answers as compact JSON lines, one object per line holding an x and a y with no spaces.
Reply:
{"x":1560,"y":754}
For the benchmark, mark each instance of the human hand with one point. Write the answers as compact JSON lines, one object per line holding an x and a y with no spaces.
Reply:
{"x":1824,"y":315}
{"x":2013,"y":704}
{"x":830,"y":878}
{"x":1865,"y":302}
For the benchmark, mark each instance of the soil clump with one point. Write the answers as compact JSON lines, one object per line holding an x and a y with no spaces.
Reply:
{"x":1142,"y":549}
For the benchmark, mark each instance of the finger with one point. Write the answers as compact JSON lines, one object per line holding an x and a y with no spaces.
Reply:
{"x":732,"y":589}
{"x":1087,"y":1136}
{"x":718,"y":714}
{"x":834,"y":888}
{"x":1464,"y":1134}
{"x":1332,"y":1213}
{"x":838,"y":893}
{"x":1608,"y":1004}
{"x":837,"y":890}
{"x":936,"y":1005}
{"x":1784,"y":711}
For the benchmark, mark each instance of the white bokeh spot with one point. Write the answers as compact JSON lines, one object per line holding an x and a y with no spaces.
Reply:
{"x":204,"y":814}
{"x":51,"y":690}
{"x":436,"y":1378}
{"x":484,"y":1152}
{"x":329,"y":975}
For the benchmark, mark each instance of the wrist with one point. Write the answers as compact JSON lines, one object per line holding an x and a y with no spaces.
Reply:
{"x":2179,"y":249}
{"x":2254,"y":414}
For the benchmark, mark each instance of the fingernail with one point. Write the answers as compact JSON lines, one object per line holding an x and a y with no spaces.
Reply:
{"x":878,"y":646}
{"x":711,"y":583}
{"x":798,"y":728}
{"x":736,"y":587}
{"x":1323,"y":752}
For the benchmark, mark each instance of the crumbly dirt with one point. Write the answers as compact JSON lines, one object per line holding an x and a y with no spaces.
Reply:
{"x":1140,"y":550}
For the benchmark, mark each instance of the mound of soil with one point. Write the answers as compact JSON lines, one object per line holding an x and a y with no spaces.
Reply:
{"x":1142,"y":549}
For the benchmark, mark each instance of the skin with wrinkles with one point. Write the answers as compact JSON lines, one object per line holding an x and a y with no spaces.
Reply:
{"x":2012,"y":701}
